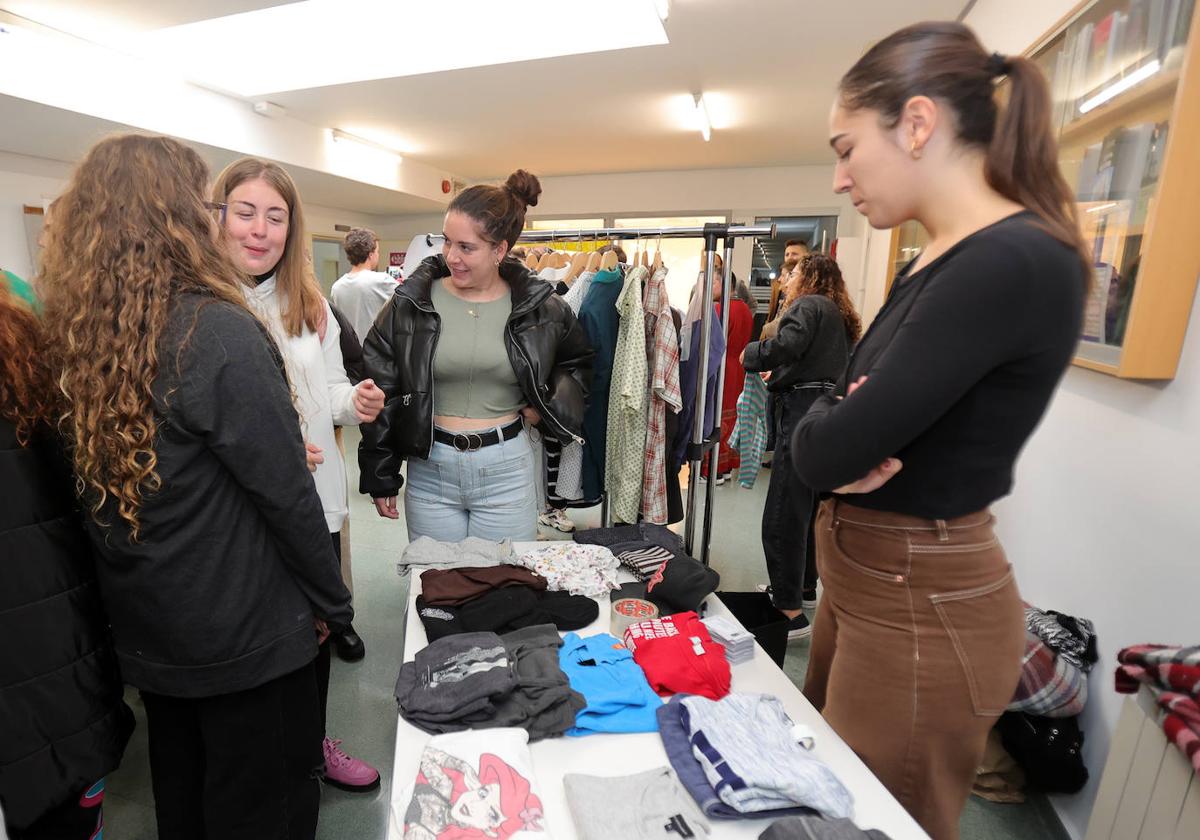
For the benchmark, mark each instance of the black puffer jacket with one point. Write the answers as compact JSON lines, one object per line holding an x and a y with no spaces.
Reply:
{"x":63,"y":724}
{"x":547,"y":347}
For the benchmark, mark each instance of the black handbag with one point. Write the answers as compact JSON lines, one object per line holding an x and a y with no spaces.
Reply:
{"x":1049,"y":750}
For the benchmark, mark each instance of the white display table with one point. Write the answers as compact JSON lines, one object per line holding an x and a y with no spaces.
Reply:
{"x":616,"y":755}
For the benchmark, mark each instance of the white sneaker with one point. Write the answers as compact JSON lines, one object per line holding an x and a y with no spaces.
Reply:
{"x":556,"y":519}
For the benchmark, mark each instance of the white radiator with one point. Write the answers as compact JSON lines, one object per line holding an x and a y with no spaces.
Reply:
{"x":1149,"y":790}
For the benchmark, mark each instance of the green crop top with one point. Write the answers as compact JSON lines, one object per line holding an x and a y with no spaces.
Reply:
{"x":472,"y":375}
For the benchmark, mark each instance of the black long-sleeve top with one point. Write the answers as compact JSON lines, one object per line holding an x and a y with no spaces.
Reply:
{"x":961,"y":363}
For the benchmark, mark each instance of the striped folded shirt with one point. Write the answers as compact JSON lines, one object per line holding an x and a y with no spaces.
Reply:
{"x":645,"y":562}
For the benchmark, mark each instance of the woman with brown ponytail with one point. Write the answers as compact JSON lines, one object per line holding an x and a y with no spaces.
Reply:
{"x":470,"y":349}
{"x":918,"y":639}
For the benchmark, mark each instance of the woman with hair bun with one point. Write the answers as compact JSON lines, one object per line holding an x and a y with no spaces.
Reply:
{"x":468,"y":351}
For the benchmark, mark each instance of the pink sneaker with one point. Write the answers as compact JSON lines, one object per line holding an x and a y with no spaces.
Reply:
{"x":343,"y":771}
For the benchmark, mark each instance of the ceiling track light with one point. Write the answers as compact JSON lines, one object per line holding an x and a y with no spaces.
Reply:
{"x":702,"y":120}
{"x":340,"y":136}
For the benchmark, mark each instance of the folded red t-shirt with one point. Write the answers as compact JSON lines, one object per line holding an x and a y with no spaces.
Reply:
{"x":679,"y":656}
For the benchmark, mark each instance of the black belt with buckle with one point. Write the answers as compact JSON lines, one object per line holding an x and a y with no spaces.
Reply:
{"x":473,"y":441}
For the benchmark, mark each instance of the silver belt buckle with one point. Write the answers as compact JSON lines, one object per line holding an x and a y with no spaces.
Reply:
{"x":467,"y":445}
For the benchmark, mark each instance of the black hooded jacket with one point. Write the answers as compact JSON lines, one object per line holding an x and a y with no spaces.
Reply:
{"x":547,"y":347}
{"x":63,"y":724}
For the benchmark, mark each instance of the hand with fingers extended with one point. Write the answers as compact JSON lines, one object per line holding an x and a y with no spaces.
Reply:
{"x":532,"y":416}
{"x":386,"y":507}
{"x":877,"y":477}
{"x":368,"y":400}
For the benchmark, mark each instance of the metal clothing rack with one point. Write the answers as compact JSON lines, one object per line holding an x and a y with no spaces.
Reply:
{"x":703,"y":444}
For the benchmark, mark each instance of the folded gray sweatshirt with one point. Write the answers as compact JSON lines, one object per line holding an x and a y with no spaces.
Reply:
{"x":485,"y":681}
{"x":644,"y":806}
{"x":427,"y":553}
{"x":453,"y":677}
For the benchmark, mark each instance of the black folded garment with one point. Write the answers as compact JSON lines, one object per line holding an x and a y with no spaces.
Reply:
{"x":682,"y":586}
{"x":508,"y":609}
{"x":627,"y":537}
{"x":685,"y":583}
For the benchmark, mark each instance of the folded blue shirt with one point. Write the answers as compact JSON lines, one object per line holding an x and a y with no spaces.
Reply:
{"x":618,"y":697}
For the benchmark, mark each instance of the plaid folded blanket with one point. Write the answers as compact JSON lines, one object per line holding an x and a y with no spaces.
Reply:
{"x":1050,"y":686}
{"x":1173,"y":675}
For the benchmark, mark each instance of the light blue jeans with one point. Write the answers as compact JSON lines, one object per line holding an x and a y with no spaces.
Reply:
{"x":490,"y":493}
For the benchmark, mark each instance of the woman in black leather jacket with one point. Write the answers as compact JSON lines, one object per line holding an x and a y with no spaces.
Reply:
{"x":470,"y":349}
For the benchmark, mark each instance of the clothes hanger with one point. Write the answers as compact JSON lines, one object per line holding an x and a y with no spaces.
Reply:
{"x":609,"y":261}
{"x":658,"y":254}
{"x":578,"y":263}
{"x":531,"y":261}
{"x":594,"y":258}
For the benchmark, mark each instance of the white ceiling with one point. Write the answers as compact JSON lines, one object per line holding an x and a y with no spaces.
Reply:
{"x":769,"y":67}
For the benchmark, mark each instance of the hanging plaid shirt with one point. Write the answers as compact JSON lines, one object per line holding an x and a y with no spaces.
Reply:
{"x":623,"y":463}
{"x":749,"y":436}
{"x":1173,"y":676}
{"x":662,"y":345}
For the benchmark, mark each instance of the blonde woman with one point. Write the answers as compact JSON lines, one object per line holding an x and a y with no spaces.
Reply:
{"x":265,"y":233}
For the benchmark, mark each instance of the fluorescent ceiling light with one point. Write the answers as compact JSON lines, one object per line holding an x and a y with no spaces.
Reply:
{"x":1103,"y":207}
{"x":340,"y":136}
{"x":702,"y":121}
{"x":1116,"y":88}
{"x":227,"y":52}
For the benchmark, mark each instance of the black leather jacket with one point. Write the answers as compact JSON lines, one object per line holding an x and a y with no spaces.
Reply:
{"x":547,"y":347}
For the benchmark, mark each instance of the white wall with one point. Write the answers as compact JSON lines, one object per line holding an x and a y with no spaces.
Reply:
{"x":23,"y":181}
{"x":29,"y":180}
{"x":1104,"y":522}
{"x":743,"y":193}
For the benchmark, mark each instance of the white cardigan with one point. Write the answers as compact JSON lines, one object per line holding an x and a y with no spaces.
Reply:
{"x":324,"y":395}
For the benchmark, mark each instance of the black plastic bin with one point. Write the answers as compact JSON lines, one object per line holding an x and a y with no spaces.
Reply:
{"x":758,"y":615}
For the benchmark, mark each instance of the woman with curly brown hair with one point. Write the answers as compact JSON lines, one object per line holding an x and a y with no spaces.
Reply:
{"x":214,"y":563}
{"x":63,"y":724}
{"x":807,"y":354}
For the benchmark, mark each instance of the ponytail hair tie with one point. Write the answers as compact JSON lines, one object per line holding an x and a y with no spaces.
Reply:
{"x":998,"y":65}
